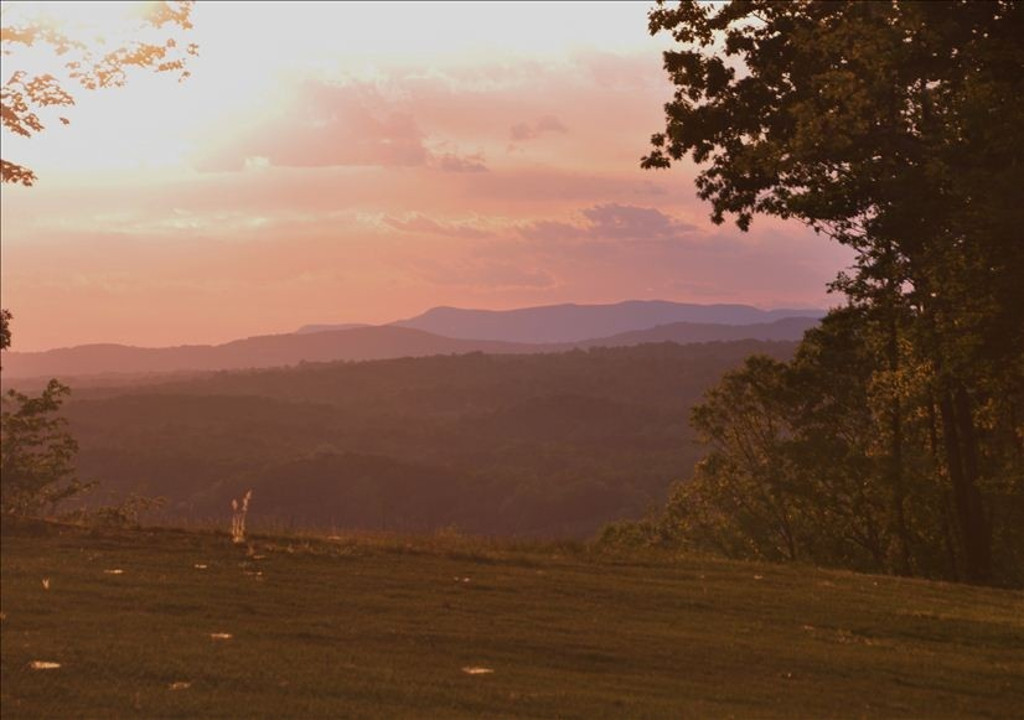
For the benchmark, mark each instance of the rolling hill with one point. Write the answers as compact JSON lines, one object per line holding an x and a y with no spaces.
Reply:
{"x":362,"y":343}
{"x":685,"y":333}
{"x":553,"y":444}
{"x":353,"y":344}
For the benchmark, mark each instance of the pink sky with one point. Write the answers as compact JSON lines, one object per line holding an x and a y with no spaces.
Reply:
{"x":364,"y":162}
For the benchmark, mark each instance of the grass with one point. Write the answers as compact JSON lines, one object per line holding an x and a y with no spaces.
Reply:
{"x":367,"y":627}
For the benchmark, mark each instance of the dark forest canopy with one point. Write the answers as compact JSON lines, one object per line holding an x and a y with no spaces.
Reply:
{"x":896,"y":129}
{"x":553,"y":445}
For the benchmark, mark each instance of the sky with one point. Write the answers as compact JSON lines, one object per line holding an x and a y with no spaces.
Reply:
{"x":363,"y":162}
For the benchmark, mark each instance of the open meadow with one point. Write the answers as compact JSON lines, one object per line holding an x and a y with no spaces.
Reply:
{"x":166,"y":623}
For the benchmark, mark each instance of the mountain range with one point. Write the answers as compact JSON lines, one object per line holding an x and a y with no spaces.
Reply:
{"x":441,"y":331}
{"x":574,"y":323}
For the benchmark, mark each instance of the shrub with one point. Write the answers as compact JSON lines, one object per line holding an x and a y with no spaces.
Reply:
{"x":37,"y":452}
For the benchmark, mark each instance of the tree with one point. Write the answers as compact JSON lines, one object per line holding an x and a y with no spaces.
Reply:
{"x":789,"y":468}
{"x":799,"y":460}
{"x":742,"y":500}
{"x":894,"y":128}
{"x":5,"y":329}
{"x":37,"y":452}
{"x":24,"y":96}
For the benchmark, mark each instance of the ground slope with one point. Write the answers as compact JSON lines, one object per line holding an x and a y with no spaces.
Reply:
{"x":364,"y":627}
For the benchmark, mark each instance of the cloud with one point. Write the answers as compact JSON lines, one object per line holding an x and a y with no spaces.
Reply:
{"x":405,"y":117}
{"x":450,"y":162}
{"x":349,"y":125}
{"x":418,"y":223}
{"x":321,"y":125}
{"x":355,"y":124}
{"x":529,"y":131}
{"x":613,"y":222}
{"x":538,"y":186}
{"x":622,"y":72}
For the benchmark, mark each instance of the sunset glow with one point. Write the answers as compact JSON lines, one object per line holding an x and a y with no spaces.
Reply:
{"x":363,"y":162}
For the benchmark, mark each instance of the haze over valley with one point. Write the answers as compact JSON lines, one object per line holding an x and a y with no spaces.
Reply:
{"x":544,"y":445}
{"x":395,"y":427}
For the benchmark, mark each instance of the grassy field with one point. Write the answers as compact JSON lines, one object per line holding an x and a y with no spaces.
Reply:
{"x":356,"y":627}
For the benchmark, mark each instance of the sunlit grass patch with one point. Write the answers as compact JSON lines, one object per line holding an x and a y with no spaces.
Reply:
{"x":476,"y":670}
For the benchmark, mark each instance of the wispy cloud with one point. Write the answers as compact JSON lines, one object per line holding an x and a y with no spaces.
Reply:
{"x":419,"y":223}
{"x":324,"y":124}
{"x":528,"y":131}
{"x":613,"y":222}
{"x":450,"y":162}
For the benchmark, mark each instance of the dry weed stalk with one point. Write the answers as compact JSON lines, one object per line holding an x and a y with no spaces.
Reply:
{"x":239,"y":511}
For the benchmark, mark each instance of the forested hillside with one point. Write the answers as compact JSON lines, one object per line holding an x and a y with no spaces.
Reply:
{"x":551,"y":445}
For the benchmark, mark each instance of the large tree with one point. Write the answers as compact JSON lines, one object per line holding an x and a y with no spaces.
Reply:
{"x":799,"y":461}
{"x":894,"y":128}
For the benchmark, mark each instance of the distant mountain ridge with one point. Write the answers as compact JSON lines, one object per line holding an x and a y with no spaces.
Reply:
{"x":685,"y":333}
{"x":360,"y":343}
{"x":576,"y":323}
{"x":364,"y":343}
{"x":329,"y":327}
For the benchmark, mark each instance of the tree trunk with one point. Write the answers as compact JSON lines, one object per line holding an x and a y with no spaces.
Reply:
{"x":962,"y":464}
{"x":902,"y":536}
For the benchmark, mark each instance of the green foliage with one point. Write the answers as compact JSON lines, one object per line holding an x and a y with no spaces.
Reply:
{"x":37,"y":452}
{"x":5,"y":328}
{"x":124,"y":514}
{"x":747,"y":472}
{"x":802,"y":465}
{"x":827,"y":111}
{"x":789,"y":474}
{"x":895,"y":129}
{"x":639,"y":535}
